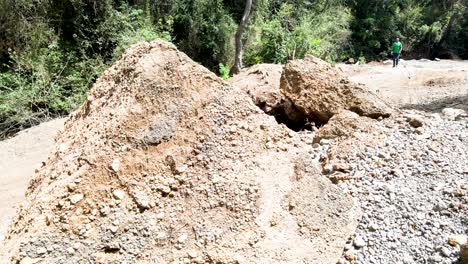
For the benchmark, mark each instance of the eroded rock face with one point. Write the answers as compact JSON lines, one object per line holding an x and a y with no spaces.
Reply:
{"x":320,"y":90}
{"x":262,"y":83}
{"x":344,"y":124}
{"x":166,"y":163}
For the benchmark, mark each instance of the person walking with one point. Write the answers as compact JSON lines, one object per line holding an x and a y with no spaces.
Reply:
{"x":397,"y":47}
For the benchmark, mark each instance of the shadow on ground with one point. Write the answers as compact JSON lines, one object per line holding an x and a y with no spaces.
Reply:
{"x":460,"y":102}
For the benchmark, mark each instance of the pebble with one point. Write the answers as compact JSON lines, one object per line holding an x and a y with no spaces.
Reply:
{"x":118,"y":194}
{"x":182,"y":238}
{"x":359,"y":242}
{"x":445,"y":252}
{"x":457,"y":240}
{"x":115,"y":165}
{"x":41,"y":250}
{"x":76,"y":198}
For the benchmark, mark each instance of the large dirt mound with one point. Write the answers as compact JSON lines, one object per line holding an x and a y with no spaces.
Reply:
{"x":166,"y":163}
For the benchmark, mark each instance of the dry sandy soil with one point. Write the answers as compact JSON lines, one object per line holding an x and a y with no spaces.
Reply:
{"x":19,"y":156}
{"x":421,"y":84}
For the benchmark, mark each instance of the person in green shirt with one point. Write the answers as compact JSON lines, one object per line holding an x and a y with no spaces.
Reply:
{"x":397,"y":47}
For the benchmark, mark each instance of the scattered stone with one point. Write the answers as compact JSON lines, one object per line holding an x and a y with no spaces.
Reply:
{"x":359,"y":242}
{"x":440,"y":206}
{"x":452,"y":113}
{"x":71,"y":187}
{"x":445,"y":252}
{"x":28,"y":260}
{"x":75,"y":198}
{"x":115,"y":165}
{"x":118,"y":194}
{"x":41,"y":250}
{"x":416,"y":122}
{"x":182,"y":238}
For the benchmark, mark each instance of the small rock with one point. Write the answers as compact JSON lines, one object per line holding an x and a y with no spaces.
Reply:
{"x":440,"y":206}
{"x":76,"y":198}
{"x":373,"y":227}
{"x":182,"y":238}
{"x":359,"y":242}
{"x":445,"y":252}
{"x":160,"y":215}
{"x":115,"y":165}
{"x":118,"y":194}
{"x":113,"y":228}
{"x":416,"y":122}
{"x":76,"y":246}
{"x":28,"y":260}
{"x":193,"y":254}
{"x":70,"y":250}
{"x":71,"y":187}
{"x":41,"y":250}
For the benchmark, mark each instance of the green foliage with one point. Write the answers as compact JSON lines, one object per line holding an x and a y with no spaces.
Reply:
{"x":46,"y":76}
{"x":292,"y":33}
{"x":204,"y":30}
{"x":224,"y":71}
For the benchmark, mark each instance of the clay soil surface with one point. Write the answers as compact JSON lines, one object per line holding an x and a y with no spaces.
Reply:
{"x":416,"y":84}
{"x":19,"y":157}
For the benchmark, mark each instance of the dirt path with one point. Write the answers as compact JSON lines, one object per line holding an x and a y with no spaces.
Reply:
{"x":19,"y":156}
{"x":421,"y":84}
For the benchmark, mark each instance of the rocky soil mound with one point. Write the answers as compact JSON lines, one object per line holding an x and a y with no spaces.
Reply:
{"x":166,"y":163}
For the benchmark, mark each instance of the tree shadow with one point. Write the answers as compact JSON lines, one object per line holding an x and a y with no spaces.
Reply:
{"x":460,"y":102}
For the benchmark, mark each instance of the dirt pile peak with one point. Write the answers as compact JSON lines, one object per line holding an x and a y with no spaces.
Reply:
{"x":166,"y":163}
{"x":321,"y":90}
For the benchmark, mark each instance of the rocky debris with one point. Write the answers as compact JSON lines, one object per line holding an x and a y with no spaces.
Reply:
{"x":415,"y":121}
{"x":344,"y":124}
{"x":320,"y":90}
{"x":453,"y":113}
{"x":411,"y":187}
{"x":210,"y":178}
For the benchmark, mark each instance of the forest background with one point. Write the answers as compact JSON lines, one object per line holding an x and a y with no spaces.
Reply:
{"x":52,"y":51}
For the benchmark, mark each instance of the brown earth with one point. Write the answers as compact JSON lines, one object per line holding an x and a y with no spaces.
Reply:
{"x":166,"y":163}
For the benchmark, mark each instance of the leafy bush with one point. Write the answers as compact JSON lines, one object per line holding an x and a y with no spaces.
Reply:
{"x":224,"y":71}
{"x":289,"y":35}
{"x":46,"y":78}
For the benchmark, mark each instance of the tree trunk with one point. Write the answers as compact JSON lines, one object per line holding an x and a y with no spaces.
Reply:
{"x":235,"y":69}
{"x":445,"y":36}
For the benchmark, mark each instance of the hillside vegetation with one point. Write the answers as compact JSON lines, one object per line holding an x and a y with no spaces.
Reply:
{"x":51,"y":51}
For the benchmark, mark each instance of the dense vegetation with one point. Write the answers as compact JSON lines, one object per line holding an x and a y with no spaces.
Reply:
{"x":51,"y":51}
